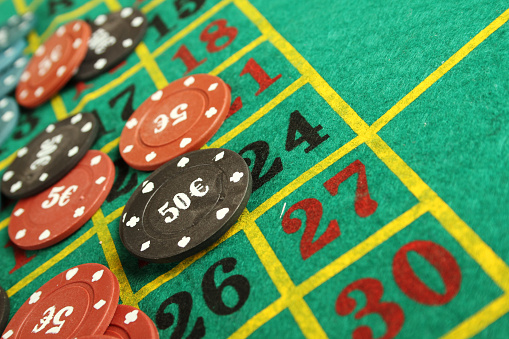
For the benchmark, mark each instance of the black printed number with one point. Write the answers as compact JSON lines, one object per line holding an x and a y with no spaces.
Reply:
{"x":186,"y":8}
{"x":261,"y":151}
{"x":308,"y":133}
{"x":213,"y":296}
{"x":165,"y":320}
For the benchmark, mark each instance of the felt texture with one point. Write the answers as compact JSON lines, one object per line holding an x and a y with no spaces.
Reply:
{"x":343,"y":236}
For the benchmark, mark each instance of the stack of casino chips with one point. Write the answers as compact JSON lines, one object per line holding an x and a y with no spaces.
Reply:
{"x":91,"y":312}
{"x":12,"y":63}
{"x":190,"y":200}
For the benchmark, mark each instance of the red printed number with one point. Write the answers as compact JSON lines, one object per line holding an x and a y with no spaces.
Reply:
{"x":187,"y":58}
{"x":314,"y":211}
{"x":364,"y":205}
{"x":408,"y":282}
{"x":20,"y":257}
{"x":259,"y":75}
{"x":441,"y":259}
{"x":391,"y":313}
{"x":219,"y":31}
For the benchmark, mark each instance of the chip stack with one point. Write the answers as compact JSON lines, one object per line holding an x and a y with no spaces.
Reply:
{"x":86,"y":296}
{"x":12,"y":63}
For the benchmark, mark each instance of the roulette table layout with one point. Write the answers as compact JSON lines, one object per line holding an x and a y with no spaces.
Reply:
{"x":377,"y":140}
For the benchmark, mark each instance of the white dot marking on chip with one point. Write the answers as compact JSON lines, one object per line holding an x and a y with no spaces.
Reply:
{"x":97,"y":275}
{"x":127,"y":43}
{"x":100,"y":63}
{"x":101,"y":19}
{"x":99,"y":304}
{"x":44,"y":235}
{"x":76,"y":43}
{"x":77,"y":118}
{"x":151,"y":156}
{"x":157,"y":96}
{"x":221,"y":213}
{"x":128,"y":149}
{"x":236,"y":177}
{"x":16,"y":186}
{"x":95,"y":160}
{"x":148,"y":187}
{"x":131,"y":123}
{"x":35,"y":297}
{"x":9,"y":80}
{"x":7,"y":116}
{"x":145,"y":245}
{"x":87,"y":127}
{"x":185,"y":142}
{"x":184,"y":241}
{"x":189,"y":81}
{"x":137,"y":21}
{"x":25,"y":76}
{"x":73,"y":151}
{"x":20,"y":234}
{"x":61,"y":31}
{"x":79,"y":212}
{"x":61,"y":71}
{"x":125,"y":12}
{"x":71,"y":273}
{"x":8,"y":334}
{"x":40,"y":51}
{"x":22,"y":152}
{"x":20,"y":63}
{"x":183,"y":162}
{"x":43,"y":177}
{"x":7,"y":175}
{"x":131,"y":317}
{"x":38,"y":92}
{"x":219,"y":156}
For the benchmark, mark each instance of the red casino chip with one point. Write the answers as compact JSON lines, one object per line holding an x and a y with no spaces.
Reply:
{"x":178,"y":119}
{"x":54,"y":214}
{"x":53,"y":64}
{"x":78,"y":302}
{"x":131,"y":323}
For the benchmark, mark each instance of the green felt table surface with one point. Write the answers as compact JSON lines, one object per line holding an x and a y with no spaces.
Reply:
{"x":377,"y":134}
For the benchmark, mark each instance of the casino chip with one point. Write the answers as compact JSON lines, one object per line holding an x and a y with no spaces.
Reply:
{"x":17,"y":27}
{"x":9,"y":115}
{"x":178,"y":119}
{"x":80,"y":301}
{"x":52,"y":215}
{"x":53,"y":64}
{"x":49,"y":156}
{"x":9,"y":55}
{"x":114,"y":37}
{"x":10,"y":77}
{"x":131,"y":323}
{"x":185,"y":205}
{"x":4,"y":309}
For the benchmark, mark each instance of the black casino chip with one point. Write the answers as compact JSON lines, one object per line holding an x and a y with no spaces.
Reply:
{"x":186,"y":205}
{"x":114,"y":37}
{"x":49,"y":156}
{"x":4,"y":309}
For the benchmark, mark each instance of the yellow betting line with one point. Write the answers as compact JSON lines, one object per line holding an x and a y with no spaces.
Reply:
{"x":439,"y":72}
